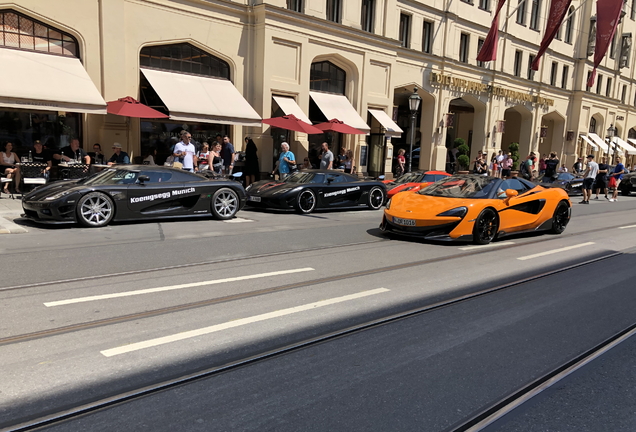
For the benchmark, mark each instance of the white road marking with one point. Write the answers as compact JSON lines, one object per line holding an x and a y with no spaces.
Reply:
{"x":173,"y":287}
{"x":486,"y":246}
{"x":236,"y":323}
{"x":238,"y":220}
{"x":629,"y":226}
{"x":527,"y":257}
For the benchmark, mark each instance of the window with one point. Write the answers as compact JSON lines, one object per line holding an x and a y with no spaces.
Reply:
{"x":569,"y":23}
{"x":470,"y":2}
{"x":295,"y":5}
{"x":427,"y":37}
{"x":184,"y":58}
{"x":599,"y":84}
{"x":484,"y":5}
{"x":608,"y":88}
{"x":464,"y":42}
{"x":589,"y":74}
{"x":530,"y":71}
{"x":22,"y":32}
{"x":632,"y":12}
{"x":334,"y":10}
{"x":558,"y":35}
{"x":592,"y":125}
{"x":327,"y":77}
{"x":517,"y":66}
{"x":612,"y":49}
{"x":405,"y":30}
{"x":521,"y":12}
{"x":623,"y":94}
{"x":535,"y":10}
{"x":368,"y":15}
{"x":564,"y":77}
{"x":553,"y":73}
{"x":480,"y":44}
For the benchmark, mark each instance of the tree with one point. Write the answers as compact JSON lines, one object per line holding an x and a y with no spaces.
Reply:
{"x":462,"y":154}
{"x":514,"y":154}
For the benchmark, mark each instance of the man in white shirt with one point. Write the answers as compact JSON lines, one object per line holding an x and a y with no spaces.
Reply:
{"x":588,"y":179}
{"x":186,"y":151}
{"x":500,"y":157}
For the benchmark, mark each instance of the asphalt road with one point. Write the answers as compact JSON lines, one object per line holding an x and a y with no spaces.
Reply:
{"x":156,"y":301}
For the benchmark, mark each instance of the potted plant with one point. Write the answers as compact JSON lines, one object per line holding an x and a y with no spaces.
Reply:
{"x":513,"y":148}
{"x":463,"y":161}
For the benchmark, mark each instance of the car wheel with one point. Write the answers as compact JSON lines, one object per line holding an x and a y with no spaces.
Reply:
{"x":560,"y":218}
{"x":95,"y":210}
{"x":306,"y":201}
{"x":376,"y":198}
{"x":486,"y":227}
{"x":225,"y":204}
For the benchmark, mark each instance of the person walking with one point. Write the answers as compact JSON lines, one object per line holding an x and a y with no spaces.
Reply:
{"x":589,"y":176}
{"x":252,"y":168}
{"x":619,"y":170}
{"x":227,"y":153}
{"x":286,"y":162}
{"x":551,"y":166}
{"x":326,"y":160}
{"x":601,"y":178}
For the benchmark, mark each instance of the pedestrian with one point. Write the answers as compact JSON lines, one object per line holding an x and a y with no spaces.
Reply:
{"x":215,"y":161}
{"x":9,"y":168}
{"x":342,"y":157}
{"x":326,"y":159}
{"x":252,"y":167}
{"x":577,"y":168}
{"x":286,"y":162}
{"x":551,"y":166}
{"x":479,"y":166}
{"x":185,"y":151}
{"x":227,"y":153}
{"x":542,"y":164}
{"x":203,"y":156}
{"x":589,"y":176}
{"x":401,"y":163}
{"x":494,"y":166}
{"x":500,"y":157}
{"x":619,"y":170}
{"x":563,"y":169}
{"x":506,"y":166}
{"x":525,"y":168}
{"x":349,"y":166}
{"x":601,"y":178}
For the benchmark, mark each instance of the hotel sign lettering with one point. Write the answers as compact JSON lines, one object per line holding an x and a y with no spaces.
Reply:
{"x":479,"y":87}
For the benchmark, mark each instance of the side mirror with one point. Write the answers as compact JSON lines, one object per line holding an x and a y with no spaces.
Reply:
{"x":237,"y":175}
{"x":511,"y":193}
{"x":381,"y":177}
{"x":143,"y":178}
{"x":330,"y":179}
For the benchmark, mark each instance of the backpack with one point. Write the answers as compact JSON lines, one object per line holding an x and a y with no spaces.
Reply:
{"x":523,"y":170}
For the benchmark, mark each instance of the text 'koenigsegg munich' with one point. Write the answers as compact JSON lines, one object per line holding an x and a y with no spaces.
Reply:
{"x":472,"y":207}
{"x":133,"y":192}
{"x":306,"y":191}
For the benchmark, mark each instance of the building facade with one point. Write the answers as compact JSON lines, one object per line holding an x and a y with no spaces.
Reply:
{"x":218,"y":67}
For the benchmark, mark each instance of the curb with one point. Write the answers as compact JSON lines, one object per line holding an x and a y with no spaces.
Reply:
{"x":7,"y":226}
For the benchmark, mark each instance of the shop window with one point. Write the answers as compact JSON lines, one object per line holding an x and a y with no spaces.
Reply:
{"x":484,"y":5}
{"x":535,"y":10}
{"x":480,"y":44}
{"x":427,"y":37}
{"x":54,"y":131}
{"x":184,"y":58}
{"x":517,"y":65}
{"x":530,"y":72}
{"x":553,"y":73}
{"x":405,"y":30}
{"x":21,"y":32}
{"x":464,"y":43}
{"x":334,"y":10}
{"x":569,"y":23}
{"x":592,"y":125}
{"x":623,"y":94}
{"x":608,"y":88}
{"x":368,"y":15}
{"x":599,"y":84}
{"x":295,"y":5}
{"x":564,"y":77}
{"x":521,"y":12}
{"x":327,"y":77}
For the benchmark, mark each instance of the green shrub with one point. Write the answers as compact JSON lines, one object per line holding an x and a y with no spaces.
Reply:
{"x":458,"y":142}
{"x":463,"y":149}
{"x":463,"y":161}
{"x":513,"y":148}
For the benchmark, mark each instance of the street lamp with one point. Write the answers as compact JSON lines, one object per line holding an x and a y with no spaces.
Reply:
{"x":611,"y":132}
{"x":414,"y":105}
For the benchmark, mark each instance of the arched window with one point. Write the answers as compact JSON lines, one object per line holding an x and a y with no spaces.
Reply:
{"x":186,"y":58}
{"x":21,"y":32}
{"x":592,"y":125}
{"x":569,"y":23}
{"x":327,"y":77}
{"x":631,"y":134}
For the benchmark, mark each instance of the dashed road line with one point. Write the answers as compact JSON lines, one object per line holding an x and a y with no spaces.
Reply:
{"x":490,"y":245}
{"x":554,"y":251}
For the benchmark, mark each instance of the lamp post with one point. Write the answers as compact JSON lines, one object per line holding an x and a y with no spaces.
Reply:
{"x":414,"y":105}
{"x":611,"y":132}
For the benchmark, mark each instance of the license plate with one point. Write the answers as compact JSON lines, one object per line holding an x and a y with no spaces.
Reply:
{"x":405,"y":222}
{"x":254,"y":198}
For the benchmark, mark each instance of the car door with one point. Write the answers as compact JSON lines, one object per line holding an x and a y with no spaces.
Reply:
{"x":159,"y":195}
{"x":337,"y":192}
{"x":521,"y":212}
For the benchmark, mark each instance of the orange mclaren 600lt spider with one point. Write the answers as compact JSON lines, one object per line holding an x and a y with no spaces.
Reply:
{"x":477,"y":208}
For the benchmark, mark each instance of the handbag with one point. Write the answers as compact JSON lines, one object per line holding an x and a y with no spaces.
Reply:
{"x":612,"y":182}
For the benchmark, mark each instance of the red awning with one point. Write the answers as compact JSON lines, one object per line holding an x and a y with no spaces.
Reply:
{"x":336,"y":125}
{"x":131,"y":107}
{"x":291,"y":122}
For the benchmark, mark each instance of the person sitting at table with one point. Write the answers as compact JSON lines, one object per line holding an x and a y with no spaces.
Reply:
{"x":119,"y":157}
{"x":8,"y":166}
{"x":97,"y":156}
{"x":42,"y":156}
{"x":73,"y":152}
{"x":149,"y":159}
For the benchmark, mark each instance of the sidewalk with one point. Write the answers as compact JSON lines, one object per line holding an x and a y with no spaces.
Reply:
{"x":10,"y":209}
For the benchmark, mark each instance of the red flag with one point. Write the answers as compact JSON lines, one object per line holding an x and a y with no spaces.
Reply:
{"x":558,"y":10}
{"x":488,"y":51}
{"x":608,"y":13}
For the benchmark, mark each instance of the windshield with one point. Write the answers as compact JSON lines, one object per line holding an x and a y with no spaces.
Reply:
{"x":413,"y":177}
{"x":565,"y":176}
{"x":305,"y":177}
{"x":461,"y":187}
{"x":111,"y":177}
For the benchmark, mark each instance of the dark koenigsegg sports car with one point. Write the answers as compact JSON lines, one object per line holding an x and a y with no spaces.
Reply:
{"x":133,"y":192}
{"x":413,"y":181}
{"x":306,"y":191}
{"x":572,"y":184}
{"x":477,"y":208}
{"x":628,"y":184}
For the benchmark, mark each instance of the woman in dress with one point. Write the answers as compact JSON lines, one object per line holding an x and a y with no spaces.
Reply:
{"x":401,"y":162}
{"x":203,"y":156}
{"x":252,"y":168}
{"x":215,"y":161}
{"x":9,"y":168}
{"x":348,"y":164}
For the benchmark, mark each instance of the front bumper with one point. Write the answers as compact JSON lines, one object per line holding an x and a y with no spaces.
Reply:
{"x":278,"y":203}
{"x":56,"y":212}
{"x":437,"y":232}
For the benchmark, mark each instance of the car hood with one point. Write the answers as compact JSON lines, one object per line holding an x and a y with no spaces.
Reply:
{"x":52,"y":189}
{"x":424,"y":204}
{"x":271,"y":187}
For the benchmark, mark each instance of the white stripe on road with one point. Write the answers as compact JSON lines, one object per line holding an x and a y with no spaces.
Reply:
{"x":174,"y":287}
{"x":629,"y":226}
{"x":486,"y":246}
{"x":236,"y":323}
{"x":527,"y":257}
{"x":238,"y":220}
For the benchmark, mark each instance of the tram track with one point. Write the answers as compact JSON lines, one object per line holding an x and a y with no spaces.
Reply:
{"x":94,"y":406}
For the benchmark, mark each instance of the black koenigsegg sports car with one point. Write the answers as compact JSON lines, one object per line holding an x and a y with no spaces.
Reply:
{"x":131,"y":192}
{"x":572,"y":184}
{"x":306,"y":191}
{"x":628,"y":184}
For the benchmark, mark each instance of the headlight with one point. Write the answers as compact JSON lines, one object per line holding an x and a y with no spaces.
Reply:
{"x":57,"y":195}
{"x":456,"y":212}
{"x":388,"y":204}
{"x":249,"y":187}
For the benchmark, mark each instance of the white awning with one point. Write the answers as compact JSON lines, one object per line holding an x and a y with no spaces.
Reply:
{"x":289,"y":106}
{"x":598,"y":141}
{"x":628,"y":148}
{"x":587,"y":140}
{"x":37,"y":81}
{"x":632,"y":140}
{"x":392,"y":129}
{"x":193,"y":98}
{"x":335,"y":106}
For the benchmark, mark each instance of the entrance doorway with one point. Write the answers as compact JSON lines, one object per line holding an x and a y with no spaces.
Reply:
{"x":518,"y":121}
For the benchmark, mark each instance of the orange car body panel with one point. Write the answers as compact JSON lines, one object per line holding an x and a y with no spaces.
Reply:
{"x":415,"y":186}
